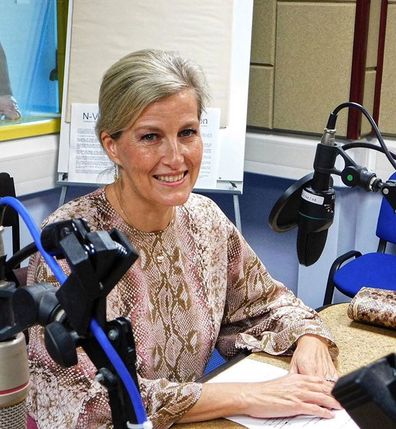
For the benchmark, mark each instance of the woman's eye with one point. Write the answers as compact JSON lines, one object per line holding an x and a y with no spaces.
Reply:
{"x":189,"y":132}
{"x":150,"y":137}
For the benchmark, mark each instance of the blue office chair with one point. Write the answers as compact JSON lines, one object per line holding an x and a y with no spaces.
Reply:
{"x":352,"y":270}
{"x":216,"y":359}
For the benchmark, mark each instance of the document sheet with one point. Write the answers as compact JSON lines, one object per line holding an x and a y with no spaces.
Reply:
{"x":250,"y":370}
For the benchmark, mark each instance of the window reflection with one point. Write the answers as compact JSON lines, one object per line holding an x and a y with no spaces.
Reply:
{"x":8,"y":105}
{"x":28,"y":61}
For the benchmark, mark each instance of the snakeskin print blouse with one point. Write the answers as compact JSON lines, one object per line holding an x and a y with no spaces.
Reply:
{"x":196,"y":285}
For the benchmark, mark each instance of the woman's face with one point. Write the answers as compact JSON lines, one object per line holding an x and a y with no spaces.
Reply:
{"x":160,"y":154}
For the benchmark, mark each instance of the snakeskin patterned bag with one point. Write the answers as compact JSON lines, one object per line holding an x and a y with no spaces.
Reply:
{"x":374,"y":306}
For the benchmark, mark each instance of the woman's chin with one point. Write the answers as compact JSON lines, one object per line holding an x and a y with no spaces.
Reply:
{"x":177,"y":199}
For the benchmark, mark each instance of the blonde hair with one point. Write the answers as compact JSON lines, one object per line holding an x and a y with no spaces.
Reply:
{"x":141,"y":78}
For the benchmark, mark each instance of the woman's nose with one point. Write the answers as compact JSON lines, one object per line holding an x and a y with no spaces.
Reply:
{"x":173,"y":152}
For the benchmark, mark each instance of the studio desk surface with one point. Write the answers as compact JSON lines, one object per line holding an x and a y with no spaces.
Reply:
{"x":359,"y":345}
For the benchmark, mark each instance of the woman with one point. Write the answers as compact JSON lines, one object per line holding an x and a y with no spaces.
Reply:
{"x":196,"y":285}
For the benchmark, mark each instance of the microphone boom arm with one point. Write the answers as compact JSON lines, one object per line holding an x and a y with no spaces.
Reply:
{"x":97,"y":260}
{"x":352,"y":174}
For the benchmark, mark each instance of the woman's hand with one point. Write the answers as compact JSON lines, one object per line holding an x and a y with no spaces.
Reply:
{"x":9,"y":108}
{"x":312,"y":357}
{"x":293,"y":394}
{"x":290,"y":395}
{"x":306,"y":390}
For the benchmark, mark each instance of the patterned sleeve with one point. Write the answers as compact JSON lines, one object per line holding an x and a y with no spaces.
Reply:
{"x":71,"y":398}
{"x":261,"y":314}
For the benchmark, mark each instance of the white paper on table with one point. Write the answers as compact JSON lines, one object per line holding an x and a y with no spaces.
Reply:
{"x":250,"y":370}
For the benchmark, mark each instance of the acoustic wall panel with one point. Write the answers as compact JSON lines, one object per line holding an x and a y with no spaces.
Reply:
{"x":263,"y":33}
{"x":313,"y":57}
{"x":368,"y":99}
{"x":372,"y":42}
{"x":260,"y":97}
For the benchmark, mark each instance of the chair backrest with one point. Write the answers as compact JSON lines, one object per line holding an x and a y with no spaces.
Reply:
{"x":10,"y":217}
{"x":216,"y":359}
{"x":386,"y":224}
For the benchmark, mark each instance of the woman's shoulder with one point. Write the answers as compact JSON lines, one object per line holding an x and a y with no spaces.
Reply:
{"x":205,"y":213}
{"x":85,"y":206}
{"x":198,"y":203}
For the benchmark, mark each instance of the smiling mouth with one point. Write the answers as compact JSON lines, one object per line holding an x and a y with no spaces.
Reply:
{"x":171,"y":178}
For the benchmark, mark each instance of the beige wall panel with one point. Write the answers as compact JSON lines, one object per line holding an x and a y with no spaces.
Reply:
{"x":372,"y":42}
{"x":387,"y":119}
{"x":263,"y":33}
{"x":313,"y":60}
{"x":368,"y":99}
{"x":261,"y":82}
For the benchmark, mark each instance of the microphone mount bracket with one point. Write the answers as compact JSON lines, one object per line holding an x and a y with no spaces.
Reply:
{"x":97,"y":261}
{"x":352,"y":174}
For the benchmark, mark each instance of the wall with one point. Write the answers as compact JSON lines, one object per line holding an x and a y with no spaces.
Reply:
{"x":309,"y":56}
{"x":301,"y":54}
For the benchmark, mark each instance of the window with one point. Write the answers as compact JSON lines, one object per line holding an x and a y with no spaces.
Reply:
{"x":30,"y":75}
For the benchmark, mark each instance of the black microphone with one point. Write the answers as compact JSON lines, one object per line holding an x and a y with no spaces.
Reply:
{"x":309,"y":203}
{"x":316,"y":209}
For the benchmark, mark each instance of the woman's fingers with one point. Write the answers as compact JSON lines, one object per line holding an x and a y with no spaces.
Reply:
{"x":294,"y":394}
{"x":315,"y":410}
{"x":323,"y":399}
{"x":315,"y":390}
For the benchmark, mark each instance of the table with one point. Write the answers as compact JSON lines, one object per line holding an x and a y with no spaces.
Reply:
{"x":359,"y":345}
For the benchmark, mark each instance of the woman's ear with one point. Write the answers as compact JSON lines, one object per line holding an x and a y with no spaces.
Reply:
{"x":110,"y":146}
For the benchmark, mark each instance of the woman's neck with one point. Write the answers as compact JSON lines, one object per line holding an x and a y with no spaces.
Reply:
{"x":141,"y":218}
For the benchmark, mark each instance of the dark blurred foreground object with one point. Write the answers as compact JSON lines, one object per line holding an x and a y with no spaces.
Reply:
{"x":369,"y":394}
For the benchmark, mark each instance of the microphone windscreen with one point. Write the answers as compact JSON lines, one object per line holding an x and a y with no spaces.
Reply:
{"x":310,"y":246}
{"x":14,"y":383}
